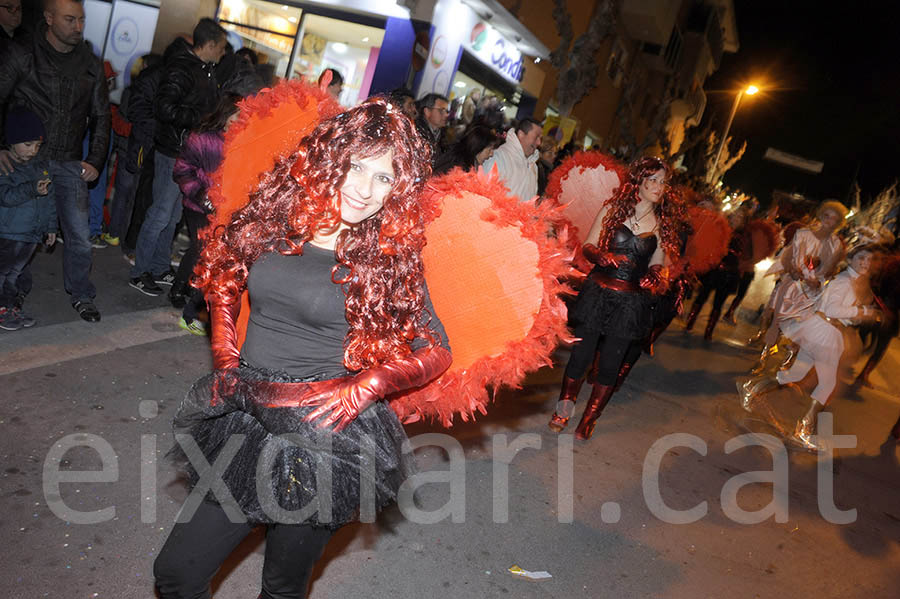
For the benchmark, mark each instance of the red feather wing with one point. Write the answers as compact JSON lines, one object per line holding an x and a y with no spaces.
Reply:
{"x":493,"y":274}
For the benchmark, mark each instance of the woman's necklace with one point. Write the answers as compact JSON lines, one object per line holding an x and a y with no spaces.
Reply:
{"x":635,"y":222}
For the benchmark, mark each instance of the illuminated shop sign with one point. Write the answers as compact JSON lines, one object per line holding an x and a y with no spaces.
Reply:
{"x":494,"y":50}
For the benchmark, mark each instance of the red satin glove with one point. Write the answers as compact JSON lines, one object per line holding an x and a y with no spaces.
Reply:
{"x":343,"y":404}
{"x":223,"y":318}
{"x":680,"y":293}
{"x":656,"y":280}
{"x":593,"y":253}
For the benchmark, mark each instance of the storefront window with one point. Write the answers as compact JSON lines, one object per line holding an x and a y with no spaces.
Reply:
{"x":268,"y":28}
{"x":349,"y":48}
{"x":462,"y":88}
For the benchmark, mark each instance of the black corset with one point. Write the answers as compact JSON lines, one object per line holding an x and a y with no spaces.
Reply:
{"x":637,"y":248}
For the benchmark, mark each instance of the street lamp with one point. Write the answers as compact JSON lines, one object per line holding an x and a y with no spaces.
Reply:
{"x":749,"y":90}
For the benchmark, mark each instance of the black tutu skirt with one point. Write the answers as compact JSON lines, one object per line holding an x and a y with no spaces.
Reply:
{"x":624,"y":314}
{"x":285,"y":470}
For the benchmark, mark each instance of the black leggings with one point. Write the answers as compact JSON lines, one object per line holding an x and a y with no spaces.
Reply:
{"x":719,"y":298}
{"x":195,"y":301}
{"x":194,"y":551}
{"x":743,"y":286}
{"x":614,"y":352}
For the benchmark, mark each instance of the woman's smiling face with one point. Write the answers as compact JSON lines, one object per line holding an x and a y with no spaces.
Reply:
{"x":367,"y":185}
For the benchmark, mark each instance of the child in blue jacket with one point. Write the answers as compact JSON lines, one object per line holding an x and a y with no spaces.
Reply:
{"x":27,"y":212}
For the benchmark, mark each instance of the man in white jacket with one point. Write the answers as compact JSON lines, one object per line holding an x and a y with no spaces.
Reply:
{"x":516,"y":159}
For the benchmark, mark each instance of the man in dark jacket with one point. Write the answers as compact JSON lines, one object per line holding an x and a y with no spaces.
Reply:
{"x":59,"y":78}
{"x":139,"y":111}
{"x":10,"y":23}
{"x":433,"y":112}
{"x":187,"y":93}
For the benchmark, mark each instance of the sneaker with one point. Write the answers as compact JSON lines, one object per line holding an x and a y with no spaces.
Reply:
{"x":87,"y":311}
{"x":98,"y":243}
{"x":167,"y":278}
{"x":145,"y":285}
{"x":194,"y":327}
{"x":26,"y":318}
{"x":129,"y":258}
{"x":178,"y":300}
{"x":9,"y":321}
{"x":110,"y":240}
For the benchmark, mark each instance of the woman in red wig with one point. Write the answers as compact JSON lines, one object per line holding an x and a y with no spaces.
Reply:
{"x":329,"y":248}
{"x":633,"y":240}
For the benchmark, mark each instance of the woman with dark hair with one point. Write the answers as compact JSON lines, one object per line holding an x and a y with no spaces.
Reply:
{"x":334,"y":83}
{"x":548,"y":151}
{"x":199,"y":158}
{"x":475,"y":146}
{"x":329,"y":248}
{"x":637,"y":235}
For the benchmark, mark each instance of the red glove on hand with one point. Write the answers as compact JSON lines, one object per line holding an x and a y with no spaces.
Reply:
{"x":682,"y":287}
{"x":656,"y":280}
{"x":223,"y":317}
{"x":593,"y":253}
{"x":343,"y":404}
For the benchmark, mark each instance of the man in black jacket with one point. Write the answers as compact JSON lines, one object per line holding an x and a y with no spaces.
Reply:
{"x":10,"y":23}
{"x":59,"y":78}
{"x":187,"y":94}
{"x":431,"y":121}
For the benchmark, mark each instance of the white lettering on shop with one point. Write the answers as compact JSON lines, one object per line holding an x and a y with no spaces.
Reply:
{"x":506,"y":64}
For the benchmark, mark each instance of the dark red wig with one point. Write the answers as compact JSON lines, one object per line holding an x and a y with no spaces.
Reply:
{"x":384,"y":279}
{"x":670,"y":213}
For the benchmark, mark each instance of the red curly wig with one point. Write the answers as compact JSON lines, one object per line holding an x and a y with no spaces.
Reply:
{"x":383,"y":278}
{"x":670,"y":212}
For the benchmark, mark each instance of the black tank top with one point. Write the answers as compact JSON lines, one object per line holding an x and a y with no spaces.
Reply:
{"x":637,"y":248}
{"x":297,"y":316}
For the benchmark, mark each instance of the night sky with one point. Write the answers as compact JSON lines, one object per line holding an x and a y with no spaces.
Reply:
{"x":830,"y":75}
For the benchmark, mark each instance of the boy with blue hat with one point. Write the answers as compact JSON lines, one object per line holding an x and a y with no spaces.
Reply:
{"x":27,"y":212}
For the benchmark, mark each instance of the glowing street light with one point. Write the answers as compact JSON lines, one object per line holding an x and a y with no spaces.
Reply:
{"x":749,"y":90}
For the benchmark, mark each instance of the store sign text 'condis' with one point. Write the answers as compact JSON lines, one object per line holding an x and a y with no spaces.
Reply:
{"x":494,"y":50}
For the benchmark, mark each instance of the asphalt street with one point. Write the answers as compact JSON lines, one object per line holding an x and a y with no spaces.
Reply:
{"x":657,"y":504}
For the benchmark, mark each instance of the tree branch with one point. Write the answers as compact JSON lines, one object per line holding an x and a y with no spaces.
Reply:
{"x":559,"y":58}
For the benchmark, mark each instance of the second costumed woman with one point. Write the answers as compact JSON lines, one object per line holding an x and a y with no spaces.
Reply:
{"x":633,"y":240}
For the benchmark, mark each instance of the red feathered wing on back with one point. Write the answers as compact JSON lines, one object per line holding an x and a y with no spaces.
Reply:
{"x":494,"y":279}
{"x":708,"y":242}
{"x":581,"y":184}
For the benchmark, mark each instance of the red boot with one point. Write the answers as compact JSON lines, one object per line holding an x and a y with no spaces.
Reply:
{"x":599,"y":398}
{"x":623,"y":374}
{"x":711,"y":324}
{"x":692,"y":318}
{"x":654,"y":335}
{"x":568,"y":393}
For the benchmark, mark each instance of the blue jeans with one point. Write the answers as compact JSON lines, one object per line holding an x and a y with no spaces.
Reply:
{"x":72,"y":207}
{"x":14,"y":257}
{"x":97,"y":193}
{"x":123,"y":202}
{"x":154,"y":244}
